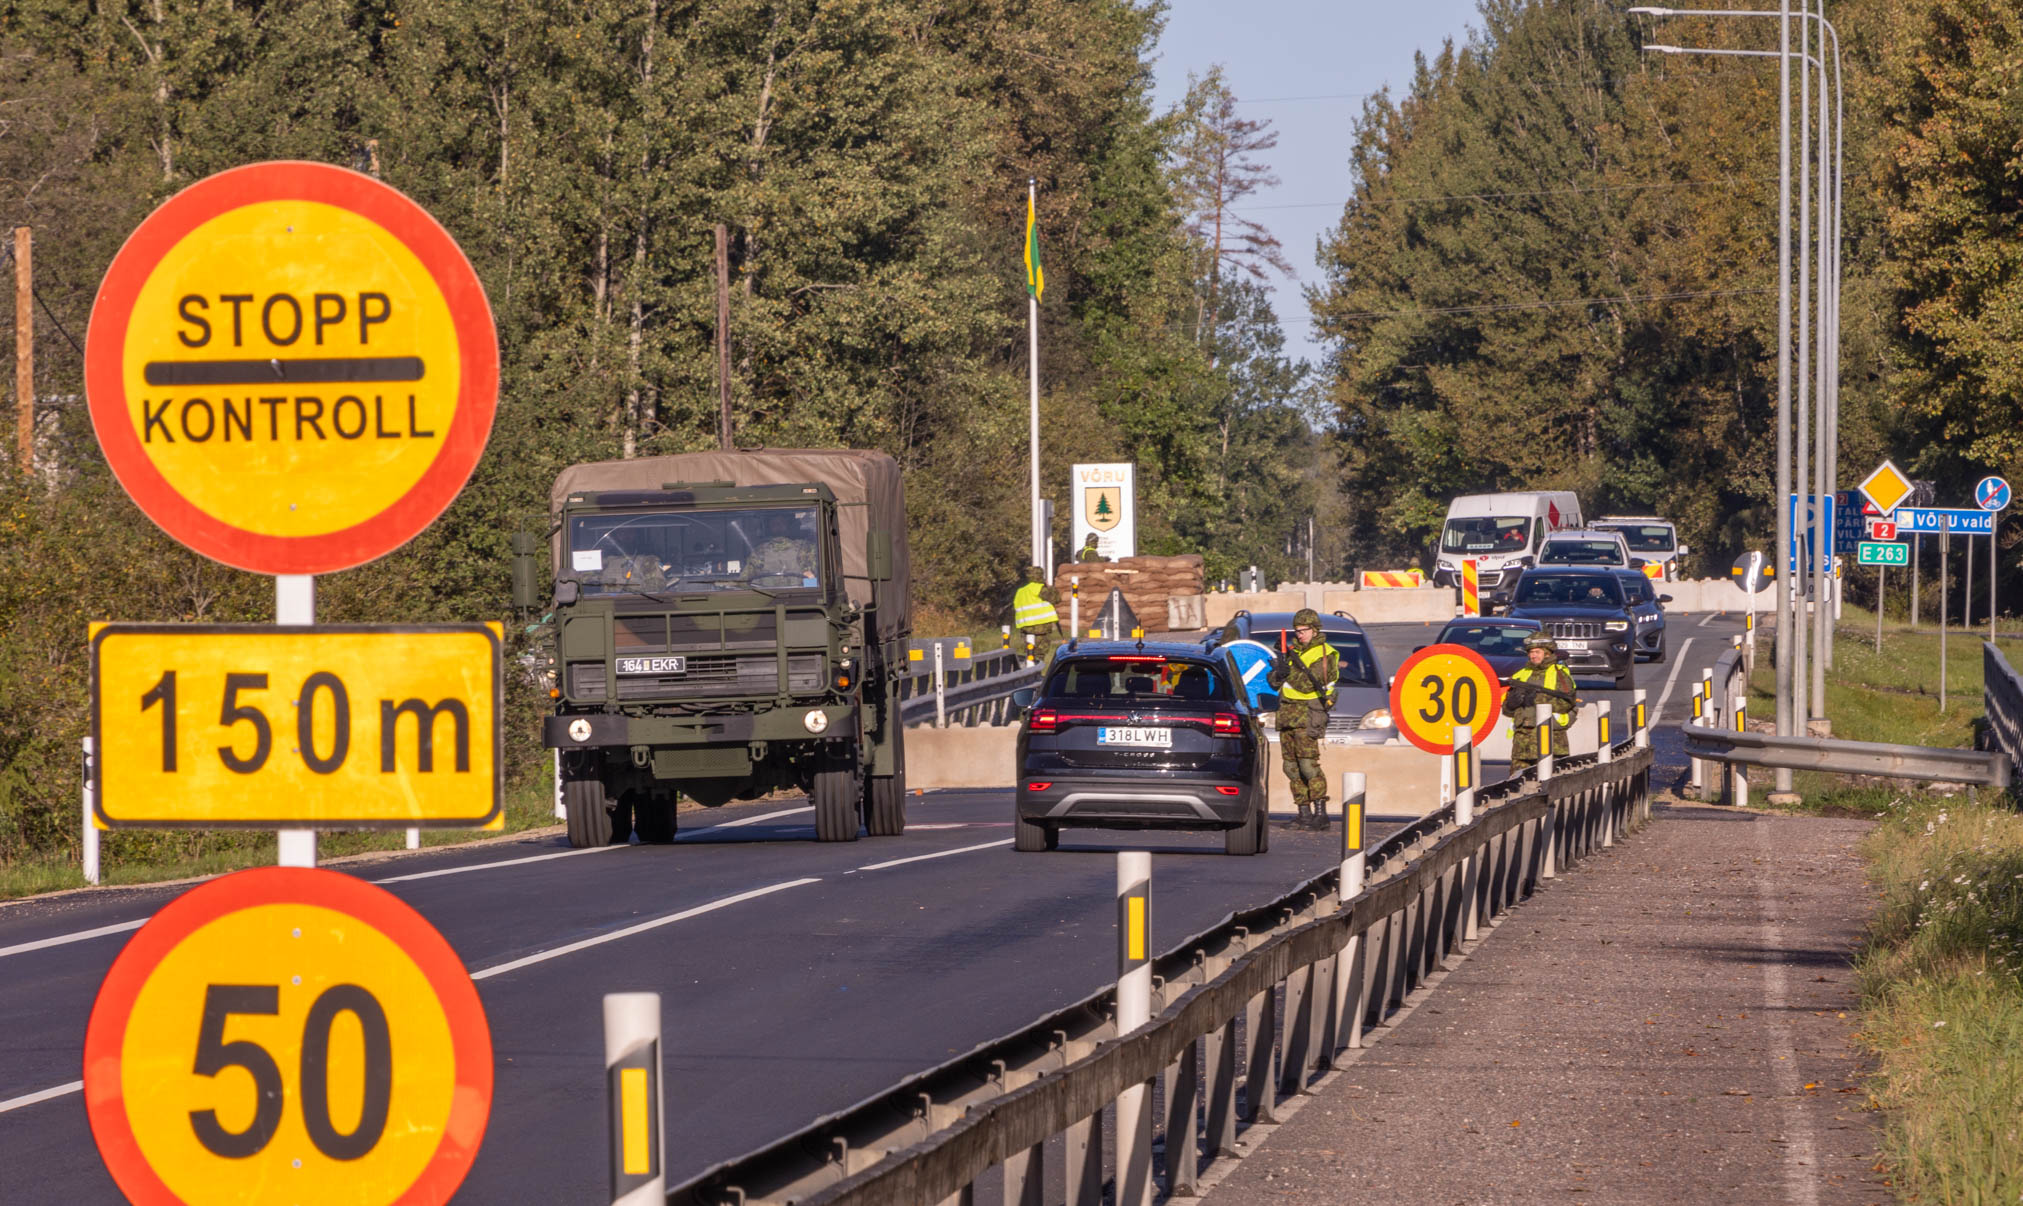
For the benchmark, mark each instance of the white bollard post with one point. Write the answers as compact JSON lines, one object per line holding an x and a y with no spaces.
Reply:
{"x":561,"y":810}
{"x":88,"y":837}
{"x":1075,"y":606}
{"x":632,"y":1086}
{"x":941,"y":684}
{"x":1466,"y":772}
{"x":295,"y":603}
{"x":1604,"y":739}
{"x":1697,"y":766}
{"x":1134,"y":1010}
{"x":1741,"y":772}
{"x":1640,"y":720}
{"x":1548,"y":831}
{"x":1347,"y":1024}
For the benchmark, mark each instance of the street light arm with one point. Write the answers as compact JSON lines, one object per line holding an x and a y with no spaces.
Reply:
{"x":1740,"y":54}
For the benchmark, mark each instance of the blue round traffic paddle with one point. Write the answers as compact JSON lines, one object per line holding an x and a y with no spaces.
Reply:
{"x":1254,"y":660}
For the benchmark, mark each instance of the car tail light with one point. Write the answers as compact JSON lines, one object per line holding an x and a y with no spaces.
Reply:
{"x":1139,"y":657}
{"x":1230,"y":791}
{"x":1045,"y":720}
{"x":1037,"y":786}
{"x":1228,"y":724}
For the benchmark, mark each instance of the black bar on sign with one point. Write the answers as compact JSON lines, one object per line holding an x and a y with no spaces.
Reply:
{"x":292,"y":372}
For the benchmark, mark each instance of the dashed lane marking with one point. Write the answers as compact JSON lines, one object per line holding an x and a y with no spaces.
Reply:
{"x":41,"y":1095}
{"x":1678,"y":664}
{"x":766,"y":816}
{"x":641,"y":928}
{"x":42,"y":944}
{"x":921,"y":858}
{"x":508,"y":862}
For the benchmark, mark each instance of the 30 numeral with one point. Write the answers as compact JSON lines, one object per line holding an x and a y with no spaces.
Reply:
{"x":1465,"y":700}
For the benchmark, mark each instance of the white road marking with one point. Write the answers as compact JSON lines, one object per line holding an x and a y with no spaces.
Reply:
{"x":1678,"y":664}
{"x":921,"y":858}
{"x":41,"y":944}
{"x":40,"y":1096}
{"x":509,"y":862}
{"x":767,"y":816}
{"x":1711,"y":617}
{"x":641,"y":928}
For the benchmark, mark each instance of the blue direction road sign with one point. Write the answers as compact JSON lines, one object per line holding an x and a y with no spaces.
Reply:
{"x":1992,"y":493}
{"x":1934,"y":519}
{"x":1801,"y":530}
{"x":1848,"y":529}
{"x":1254,"y":661}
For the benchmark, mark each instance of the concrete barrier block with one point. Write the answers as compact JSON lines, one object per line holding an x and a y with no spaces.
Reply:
{"x":1221,"y":606}
{"x":1424,"y":604}
{"x":1186,"y":613}
{"x":984,"y":756}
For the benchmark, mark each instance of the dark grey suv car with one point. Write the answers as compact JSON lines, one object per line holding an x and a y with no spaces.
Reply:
{"x":1586,"y":610}
{"x":1140,"y":735}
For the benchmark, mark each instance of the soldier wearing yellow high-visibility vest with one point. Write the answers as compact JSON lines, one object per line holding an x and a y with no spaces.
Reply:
{"x":1305,"y":680}
{"x":1034,"y":613}
{"x":1546,"y":680}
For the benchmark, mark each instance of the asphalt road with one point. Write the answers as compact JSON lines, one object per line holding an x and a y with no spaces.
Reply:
{"x":797,"y":978}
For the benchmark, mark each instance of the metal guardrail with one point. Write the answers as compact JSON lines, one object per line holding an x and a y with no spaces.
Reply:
{"x":1881,"y":758}
{"x":978,"y":693}
{"x":1246,"y":1014}
{"x":2002,"y":703}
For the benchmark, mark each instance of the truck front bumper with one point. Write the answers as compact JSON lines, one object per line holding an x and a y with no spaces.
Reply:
{"x":595,"y":730}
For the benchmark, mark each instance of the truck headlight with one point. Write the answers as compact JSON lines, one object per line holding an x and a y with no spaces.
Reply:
{"x":1617,"y":626}
{"x":816,"y":722}
{"x":1376,"y":718}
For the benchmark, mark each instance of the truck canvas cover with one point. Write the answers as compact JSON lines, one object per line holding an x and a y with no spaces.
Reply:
{"x":854,"y":476}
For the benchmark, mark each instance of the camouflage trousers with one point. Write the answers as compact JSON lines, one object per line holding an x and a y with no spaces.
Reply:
{"x":1301,"y":725}
{"x":1045,"y":637}
{"x":1524,"y":744}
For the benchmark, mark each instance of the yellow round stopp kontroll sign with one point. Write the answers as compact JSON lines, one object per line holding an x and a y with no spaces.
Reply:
{"x":287,"y":1034}
{"x":1442,"y":688}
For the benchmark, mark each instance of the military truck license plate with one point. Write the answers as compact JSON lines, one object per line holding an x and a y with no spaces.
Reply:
{"x":653,"y":665}
{"x":1159,"y":738}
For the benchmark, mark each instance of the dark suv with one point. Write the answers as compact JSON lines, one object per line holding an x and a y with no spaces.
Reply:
{"x":1140,"y":735}
{"x":1586,"y":610}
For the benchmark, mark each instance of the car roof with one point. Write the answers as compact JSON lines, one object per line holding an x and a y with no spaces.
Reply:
{"x":1540,"y":571}
{"x":1283,"y":619}
{"x":1584,"y":533}
{"x":1098,"y":648}
{"x":1607,"y":519}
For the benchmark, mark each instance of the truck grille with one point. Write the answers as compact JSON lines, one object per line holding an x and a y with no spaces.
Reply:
{"x":674,"y":633}
{"x":707,"y":675}
{"x":1578,"y":630}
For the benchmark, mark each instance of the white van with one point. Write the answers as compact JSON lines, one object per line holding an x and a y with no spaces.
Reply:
{"x":1653,"y":542}
{"x":1500,"y":532}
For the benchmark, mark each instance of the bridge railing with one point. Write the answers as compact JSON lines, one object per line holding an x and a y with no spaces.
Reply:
{"x":1245,"y":1016}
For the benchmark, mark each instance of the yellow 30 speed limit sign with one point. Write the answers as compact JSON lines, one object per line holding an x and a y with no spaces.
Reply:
{"x":1441,"y":688}
{"x":287,"y":1035}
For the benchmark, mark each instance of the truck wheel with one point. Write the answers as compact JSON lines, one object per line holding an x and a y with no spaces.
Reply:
{"x":835,"y":795}
{"x":1251,"y":837}
{"x":885,"y":805}
{"x":653,"y":818}
{"x":1033,"y":836}
{"x":589,"y":813}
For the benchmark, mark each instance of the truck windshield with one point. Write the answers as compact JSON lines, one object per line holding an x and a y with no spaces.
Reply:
{"x":1486,"y":534}
{"x":774,"y":548}
{"x":1646,"y":537}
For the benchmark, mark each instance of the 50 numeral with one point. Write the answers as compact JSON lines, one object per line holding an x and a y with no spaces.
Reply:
{"x":233,"y":712}
{"x":215,"y":1055}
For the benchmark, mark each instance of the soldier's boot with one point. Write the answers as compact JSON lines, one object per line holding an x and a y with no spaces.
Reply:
{"x":1320,"y":818}
{"x":1306,"y":815}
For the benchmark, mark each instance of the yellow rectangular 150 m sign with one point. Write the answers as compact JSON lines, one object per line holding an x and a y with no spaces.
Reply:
{"x":335,"y":726}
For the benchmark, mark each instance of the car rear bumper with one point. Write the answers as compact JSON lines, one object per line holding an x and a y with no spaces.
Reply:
{"x":1118,"y":802}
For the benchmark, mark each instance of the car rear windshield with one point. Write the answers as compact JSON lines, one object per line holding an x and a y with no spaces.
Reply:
{"x":1647,"y":537}
{"x":1577,"y":590}
{"x":1491,"y":640}
{"x":1138,"y":678}
{"x":1581,"y":552}
{"x":1355,"y":665}
{"x":1486,"y":534}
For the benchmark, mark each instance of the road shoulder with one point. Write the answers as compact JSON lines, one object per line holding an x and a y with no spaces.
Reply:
{"x":1671,"y":1021}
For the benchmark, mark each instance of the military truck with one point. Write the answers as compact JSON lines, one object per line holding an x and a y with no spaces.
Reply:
{"x":726,"y":624}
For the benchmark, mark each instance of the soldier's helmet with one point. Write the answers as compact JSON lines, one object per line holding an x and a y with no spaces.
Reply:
{"x":1541,"y":641}
{"x":1306,"y":617}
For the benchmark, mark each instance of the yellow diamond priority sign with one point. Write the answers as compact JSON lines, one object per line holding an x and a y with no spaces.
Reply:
{"x":1887,"y":487}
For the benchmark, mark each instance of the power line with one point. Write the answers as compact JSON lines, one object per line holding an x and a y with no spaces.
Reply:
{"x":1542,"y":305}
{"x":1560,"y":192}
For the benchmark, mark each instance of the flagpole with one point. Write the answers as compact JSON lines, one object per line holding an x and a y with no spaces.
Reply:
{"x":1033,"y":417}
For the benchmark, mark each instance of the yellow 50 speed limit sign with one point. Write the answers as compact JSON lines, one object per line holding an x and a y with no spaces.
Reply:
{"x":1441,"y":688}
{"x":287,"y":1035}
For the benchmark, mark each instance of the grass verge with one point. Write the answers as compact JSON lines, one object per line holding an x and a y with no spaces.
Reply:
{"x":153,"y":856}
{"x":1941,"y":969}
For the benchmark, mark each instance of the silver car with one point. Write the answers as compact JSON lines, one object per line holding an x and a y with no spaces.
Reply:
{"x":1362,"y":689}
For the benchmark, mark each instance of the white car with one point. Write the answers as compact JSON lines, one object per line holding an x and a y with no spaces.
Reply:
{"x":1653,"y":541}
{"x":1586,"y":546}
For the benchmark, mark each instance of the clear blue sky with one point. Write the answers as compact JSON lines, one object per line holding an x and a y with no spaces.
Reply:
{"x":1273,"y":50}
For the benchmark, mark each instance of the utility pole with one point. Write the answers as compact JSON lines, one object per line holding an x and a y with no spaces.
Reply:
{"x":723,"y":338}
{"x":24,"y":344}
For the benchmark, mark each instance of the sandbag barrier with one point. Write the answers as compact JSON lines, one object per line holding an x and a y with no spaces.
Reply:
{"x":1246,"y":1015}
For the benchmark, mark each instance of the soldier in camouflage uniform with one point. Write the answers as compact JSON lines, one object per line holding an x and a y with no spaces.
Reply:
{"x":1305,"y":681}
{"x":1546,"y":680}
{"x":784,"y":559}
{"x":1034,"y":611}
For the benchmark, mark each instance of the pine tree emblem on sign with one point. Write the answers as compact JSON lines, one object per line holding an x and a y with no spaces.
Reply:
{"x":1102,"y":507}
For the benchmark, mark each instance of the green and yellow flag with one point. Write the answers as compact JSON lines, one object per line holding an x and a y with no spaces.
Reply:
{"x":1036,"y":278}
